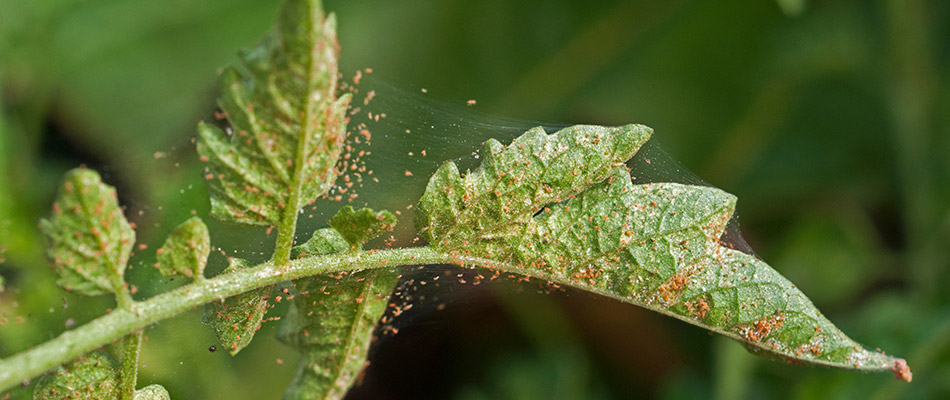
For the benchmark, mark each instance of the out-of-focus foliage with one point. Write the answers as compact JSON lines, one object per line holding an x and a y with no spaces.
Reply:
{"x":828,"y":119}
{"x":93,"y":376}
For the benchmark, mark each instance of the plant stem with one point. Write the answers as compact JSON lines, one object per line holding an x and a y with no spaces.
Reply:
{"x":130,"y":365}
{"x":120,"y":322}
{"x":285,"y":240}
{"x":288,"y":221}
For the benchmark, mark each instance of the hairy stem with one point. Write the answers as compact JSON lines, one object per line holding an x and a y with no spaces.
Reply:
{"x":285,"y":239}
{"x":123,"y":298}
{"x":288,"y":222}
{"x":132,"y":346}
{"x":23,"y":366}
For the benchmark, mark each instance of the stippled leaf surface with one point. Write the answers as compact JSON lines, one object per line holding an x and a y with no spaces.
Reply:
{"x":152,"y":392}
{"x":94,"y":376}
{"x":236,"y":319}
{"x":514,"y":181}
{"x":287,"y":124}
{"x":331,"y":323}
{"x":654,"y":245}
{"x":358,"y":227}
{"x":324,"y":241}
{"x":89,"y":238}
{"x":186,"y":249}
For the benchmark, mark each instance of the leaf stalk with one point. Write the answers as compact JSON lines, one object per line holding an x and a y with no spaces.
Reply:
{"x":132,"y":347}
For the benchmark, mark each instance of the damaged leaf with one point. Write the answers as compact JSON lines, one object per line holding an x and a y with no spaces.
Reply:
{"x":89,"y":238}
{"x":655,"y":245}
{"x":358,"y":227}
{"x":287,"y":124}
{"x":186,"y":249}
{"x":331,"y":322}
{"x":236,"y":319}
{"x":92,"y":376}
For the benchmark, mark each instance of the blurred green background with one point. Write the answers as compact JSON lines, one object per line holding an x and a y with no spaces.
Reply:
{"x":829,"y":119}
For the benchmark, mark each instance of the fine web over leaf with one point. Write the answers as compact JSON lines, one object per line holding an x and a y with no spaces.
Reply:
{"x":558,"y":207}
{"x":514,"y":182}
{"x":358,"y":227}
{"x":287,"y":125}
{"x":654,"y":245}
{"x":286,"y":133}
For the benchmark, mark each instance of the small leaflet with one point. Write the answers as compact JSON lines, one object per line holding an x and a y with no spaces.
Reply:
{"x":236,"y":319}
{"x":324,"y":241}
{"x":91,"y":376}
{"x":89,"y":239}
{"x":186,"y":249}
{"x":655,"y":245}
{"x":287,"y":125}
{"x":331,"y":322}
{"x":358,"y":227}
{"x":152,"y":392}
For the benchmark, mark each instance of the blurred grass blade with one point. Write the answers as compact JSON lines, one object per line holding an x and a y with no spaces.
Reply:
{"x":654,"y":245}
{"x":89,"y":238}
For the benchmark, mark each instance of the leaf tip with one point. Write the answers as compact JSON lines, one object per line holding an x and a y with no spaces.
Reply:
{"x":902,"y":370}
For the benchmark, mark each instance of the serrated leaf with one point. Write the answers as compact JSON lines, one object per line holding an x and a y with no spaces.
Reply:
{"x":236,"y":319}
{"x":92,"y":376}
{"x":358,"y":227}
{"x":152,"y":392}
{"x":186,"y":249}
{"x":88,"y":237}
{"x":331,"y":322}
{"x":515,"y":181}
{"x":287,"y":125}
{"x":654,"y":245}
{"x":332,"y":326}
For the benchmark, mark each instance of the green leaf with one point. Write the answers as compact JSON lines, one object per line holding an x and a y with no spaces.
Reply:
{"x":92,"y":376}
{"x":358,"y":227}
{"x":331,"y":322}
{"x":152,"y":392}
{"x":324,"y":241}
{"x":236,"y":319}
{"x":89,"y":238}
{"x":514,"y":182}
{"x":287,"y":125}
{"x":186,"y":249}
{"x":654,"y":245}
{"x":332,"y":325}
